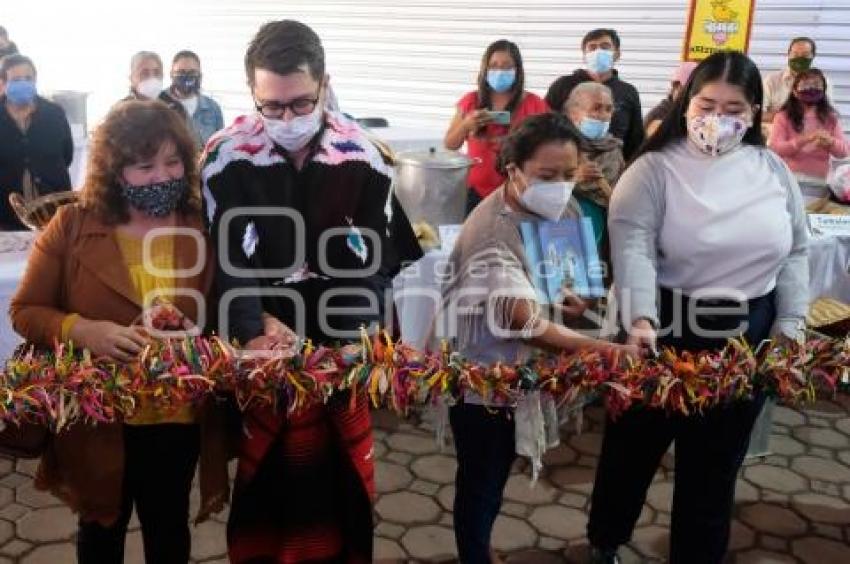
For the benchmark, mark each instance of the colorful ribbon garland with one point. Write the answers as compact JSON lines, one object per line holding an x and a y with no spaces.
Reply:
{"x":62,"y":386}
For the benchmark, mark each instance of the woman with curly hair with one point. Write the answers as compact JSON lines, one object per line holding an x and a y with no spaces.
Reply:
{"x":135,"y":238}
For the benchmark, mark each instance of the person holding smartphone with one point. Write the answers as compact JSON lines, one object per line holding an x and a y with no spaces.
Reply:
{"x":486,"y":115}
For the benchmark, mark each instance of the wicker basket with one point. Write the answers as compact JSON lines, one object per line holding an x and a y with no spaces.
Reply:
{"x":830,"y":317}
{"x":37,"y":213}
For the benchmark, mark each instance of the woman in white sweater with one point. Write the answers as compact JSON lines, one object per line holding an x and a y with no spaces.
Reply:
{"x":708,"y":239}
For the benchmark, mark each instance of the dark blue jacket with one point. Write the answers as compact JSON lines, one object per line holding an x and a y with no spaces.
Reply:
{"x":46,"y":149}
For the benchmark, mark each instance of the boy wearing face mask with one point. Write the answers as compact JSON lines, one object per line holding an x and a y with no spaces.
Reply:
{"x":807,"y":131}
{"x":313,"y":235}
{"x":777,"y":85}
{"x":204,"y":113}
{"x":36,"y":146}
{"x":600,"y":51}
{"x":590,"y":107}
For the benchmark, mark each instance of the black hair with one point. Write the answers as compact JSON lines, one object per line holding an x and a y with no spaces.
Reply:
{"x":12,"y":61}
{"x":804,"y":39}
{"x":521,"y":144}
{"x":795,"y":109}
{"x":599,"y":33}
{"x":3,"y":33}
{"x":186,"y":54}
{"x":484,"y":91}
{"x":732,"y":67}
{"x":282,"y":47}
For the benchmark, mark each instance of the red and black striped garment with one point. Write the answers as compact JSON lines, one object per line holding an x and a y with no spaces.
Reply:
{"x":304,"y":487}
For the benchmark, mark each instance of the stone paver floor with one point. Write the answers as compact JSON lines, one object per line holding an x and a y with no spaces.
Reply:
{"x":792,"y":506}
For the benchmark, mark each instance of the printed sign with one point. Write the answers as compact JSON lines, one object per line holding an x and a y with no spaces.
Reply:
{"x":823,"y":225}
{"x":718,"y":25}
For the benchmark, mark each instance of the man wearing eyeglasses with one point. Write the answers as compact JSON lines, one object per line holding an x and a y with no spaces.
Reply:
{"x":308,"y":238}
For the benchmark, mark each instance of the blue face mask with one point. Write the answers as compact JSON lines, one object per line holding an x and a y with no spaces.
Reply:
{"x":593,"y":128}
{"x":599,"y":60}
{"x":20,"y":92}
{"x":501,"y":80}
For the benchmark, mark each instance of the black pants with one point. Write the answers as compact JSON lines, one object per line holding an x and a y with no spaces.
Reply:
{"x":159,"y":466}
{"x":472,"y":200}
{"x":709,"y":451}
{"x":485,"y":443}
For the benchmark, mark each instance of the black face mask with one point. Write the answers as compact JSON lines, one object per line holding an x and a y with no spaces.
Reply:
{"x":158,"y":199}
{"x":187,"y":84}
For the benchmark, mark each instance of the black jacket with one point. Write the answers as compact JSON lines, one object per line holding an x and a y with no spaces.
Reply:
{"x":46,"y":149}
{"x":627,"y":122}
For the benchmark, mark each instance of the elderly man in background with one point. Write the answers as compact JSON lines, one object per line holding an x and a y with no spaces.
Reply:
{"x":146,"y":81}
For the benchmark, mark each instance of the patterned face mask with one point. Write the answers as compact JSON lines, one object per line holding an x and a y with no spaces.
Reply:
{"x":158,"y":199}
{"x":717,"y":134}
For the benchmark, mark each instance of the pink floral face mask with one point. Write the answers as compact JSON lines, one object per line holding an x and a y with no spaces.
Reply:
{"x":716,"y":134}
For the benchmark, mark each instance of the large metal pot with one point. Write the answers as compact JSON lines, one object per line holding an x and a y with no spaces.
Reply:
{"x":431,"y":185}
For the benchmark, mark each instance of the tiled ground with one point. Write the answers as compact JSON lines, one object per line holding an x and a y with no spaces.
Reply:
{"x":793,"y":506}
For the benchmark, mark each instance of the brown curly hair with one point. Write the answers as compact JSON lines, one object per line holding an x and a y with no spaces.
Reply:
{"x":134,"y":131}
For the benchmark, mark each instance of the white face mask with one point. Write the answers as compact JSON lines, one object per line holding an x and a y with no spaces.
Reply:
{"x":150,"y":87}
{"x":549,"y":200}
{"x":293,"y":135}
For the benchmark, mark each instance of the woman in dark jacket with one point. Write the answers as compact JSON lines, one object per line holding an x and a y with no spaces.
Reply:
{"x":37,"y":148}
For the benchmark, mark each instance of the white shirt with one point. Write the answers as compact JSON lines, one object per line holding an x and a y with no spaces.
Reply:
{"x":681,"y":219}
{"x":190,"y":104}
{"x":726,"y":224}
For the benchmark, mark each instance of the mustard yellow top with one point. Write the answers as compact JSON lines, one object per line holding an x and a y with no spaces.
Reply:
{"x":150,"y":287}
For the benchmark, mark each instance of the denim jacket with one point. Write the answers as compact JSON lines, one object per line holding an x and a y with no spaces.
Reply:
{"x":207,"y":119}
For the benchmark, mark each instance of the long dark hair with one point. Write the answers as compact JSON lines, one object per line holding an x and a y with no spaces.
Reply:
{"x":795,"y":109}
{"x":485,"y":93}
{"x":732,"y":67}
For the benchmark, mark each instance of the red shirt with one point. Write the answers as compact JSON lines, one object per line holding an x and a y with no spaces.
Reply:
{"x":483,"y":177}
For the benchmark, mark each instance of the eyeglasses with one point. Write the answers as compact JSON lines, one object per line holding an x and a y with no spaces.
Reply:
{"x":299,"y":107}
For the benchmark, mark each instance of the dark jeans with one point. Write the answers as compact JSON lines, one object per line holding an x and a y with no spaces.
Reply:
{"x":472,"y":200}
{"x":710,"y":449}
{"x":484,"y":439}
{"x":159,"y":466}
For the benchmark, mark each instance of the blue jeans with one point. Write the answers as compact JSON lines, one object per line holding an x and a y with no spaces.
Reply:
{"x":486,"y":449}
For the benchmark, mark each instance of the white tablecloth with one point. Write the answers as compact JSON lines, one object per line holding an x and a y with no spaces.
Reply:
{"x":14,"y":249}
{"x":829,"y":266}
{"x":77,"y":170}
